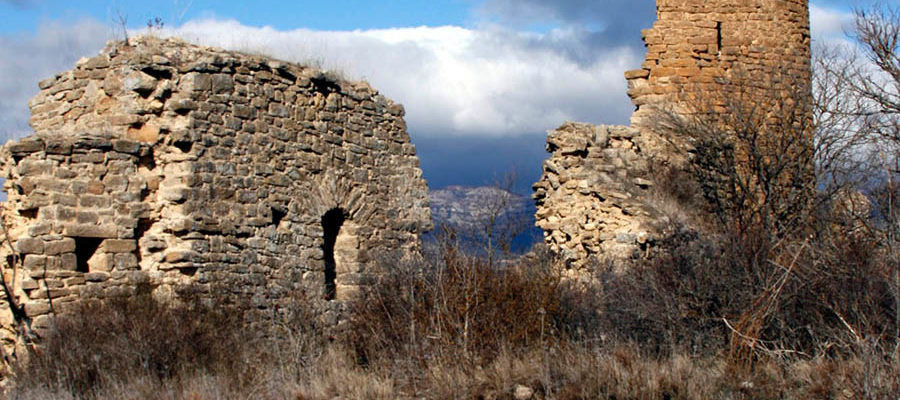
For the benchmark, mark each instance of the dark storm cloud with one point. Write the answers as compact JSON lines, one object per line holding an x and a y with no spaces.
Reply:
{"x":481,"y":160}
{"x":614,"y":22}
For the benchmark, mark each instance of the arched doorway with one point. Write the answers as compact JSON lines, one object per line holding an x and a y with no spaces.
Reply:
{"x":340,"y":248}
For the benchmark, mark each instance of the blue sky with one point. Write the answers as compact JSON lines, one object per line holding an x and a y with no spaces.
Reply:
{"x":481,"y":80}
{"x":25,"y":15}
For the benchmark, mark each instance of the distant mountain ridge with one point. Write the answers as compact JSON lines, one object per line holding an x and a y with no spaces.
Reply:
{"x":467,"y":210}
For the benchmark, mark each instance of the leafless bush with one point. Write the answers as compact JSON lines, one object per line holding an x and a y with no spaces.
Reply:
{"x":859,"y":107}
{"x":454,"y":306}
{"x":448,"y":327}
{"x":803,"y":299}
{"x":138,"y":344}
{"x":120,"y":340}
{"x":752,"y":149}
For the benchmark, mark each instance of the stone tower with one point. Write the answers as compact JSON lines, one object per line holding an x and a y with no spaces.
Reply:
{"x":695,"y":43}
{"x":594,"y":197}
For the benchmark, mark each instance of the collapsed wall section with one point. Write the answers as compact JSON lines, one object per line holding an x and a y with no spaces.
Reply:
{"x":592,"y":197}
{"x":181,"y":167}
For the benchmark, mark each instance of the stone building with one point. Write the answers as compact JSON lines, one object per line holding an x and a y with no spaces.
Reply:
{"x":163,"y":163}
{"x":595,"y":197}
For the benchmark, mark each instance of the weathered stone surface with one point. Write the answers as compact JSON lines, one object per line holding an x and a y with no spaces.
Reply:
{"x":119,"y":246}
{"x":193,"y":166}
{"x":25,"y":146}
{"x":27,"y":245}
{"x":54,"y":247}
{"x":90,"y":231}
{"x":37,"y":308}
{"x":580,"y":206}
{"x":96,"y":276}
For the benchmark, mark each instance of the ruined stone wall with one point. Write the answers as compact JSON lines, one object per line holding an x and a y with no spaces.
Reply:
{"x":190,"y":167}
{"x":593,"y":195}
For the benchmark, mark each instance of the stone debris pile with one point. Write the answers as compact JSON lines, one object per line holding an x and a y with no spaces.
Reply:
{"x":592,"y":195}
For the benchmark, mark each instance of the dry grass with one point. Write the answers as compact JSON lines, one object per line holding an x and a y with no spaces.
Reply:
{"x":452,"y":327}
{"x":572,"y":372}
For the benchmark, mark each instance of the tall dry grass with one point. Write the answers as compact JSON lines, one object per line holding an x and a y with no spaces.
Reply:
{"x":451,"y":326}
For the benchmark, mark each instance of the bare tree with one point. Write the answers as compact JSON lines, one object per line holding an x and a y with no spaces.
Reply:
{"x":876,"y":87}
{"x":498,"y":222}
{"x":753,"y":153}
{"x":877,"y":30}
{"x":840,"y":139}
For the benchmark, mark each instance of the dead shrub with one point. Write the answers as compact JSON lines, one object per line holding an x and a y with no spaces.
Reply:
{"x":453,"y":306}
{"x":754,"y":296}
{"x":656,"y":333}
{"x":102,"y":343}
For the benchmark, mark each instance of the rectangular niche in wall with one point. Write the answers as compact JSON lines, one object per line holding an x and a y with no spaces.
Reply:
{"x":85,"y":247}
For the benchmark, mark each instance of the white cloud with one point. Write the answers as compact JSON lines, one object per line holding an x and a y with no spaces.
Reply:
{"x":453,"y":80}
{"x":489,"y":80}
{"x":829,"y":25}
{"x":27,"y":59}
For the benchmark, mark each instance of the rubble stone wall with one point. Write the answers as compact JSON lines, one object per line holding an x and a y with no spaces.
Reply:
{"x":181,"y":166}
{"x":593,"y":195}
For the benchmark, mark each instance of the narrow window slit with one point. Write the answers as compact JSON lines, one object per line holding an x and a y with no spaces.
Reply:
{"x":719,"y":37}
{"x":143,"y":225}
{"x":331,"y":226}
{"x":277,"y":216}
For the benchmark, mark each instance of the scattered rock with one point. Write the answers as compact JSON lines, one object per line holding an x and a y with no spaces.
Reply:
{"x":522,"y":392}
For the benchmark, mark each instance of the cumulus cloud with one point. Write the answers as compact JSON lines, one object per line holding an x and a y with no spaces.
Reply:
{"x":26,"y":59}
{"x":489,"y":80}
{"x":828,"y":24}
{"x":453,"y":80}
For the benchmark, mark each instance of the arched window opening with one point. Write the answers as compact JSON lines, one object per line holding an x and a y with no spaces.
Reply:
{"x":331,"y":226}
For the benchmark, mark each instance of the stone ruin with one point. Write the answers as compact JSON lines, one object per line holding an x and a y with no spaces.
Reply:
{"x":595,"y":197}
{"x":183,"y":167}
{"x":178,"y":167}
{"x":591,"y":196}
